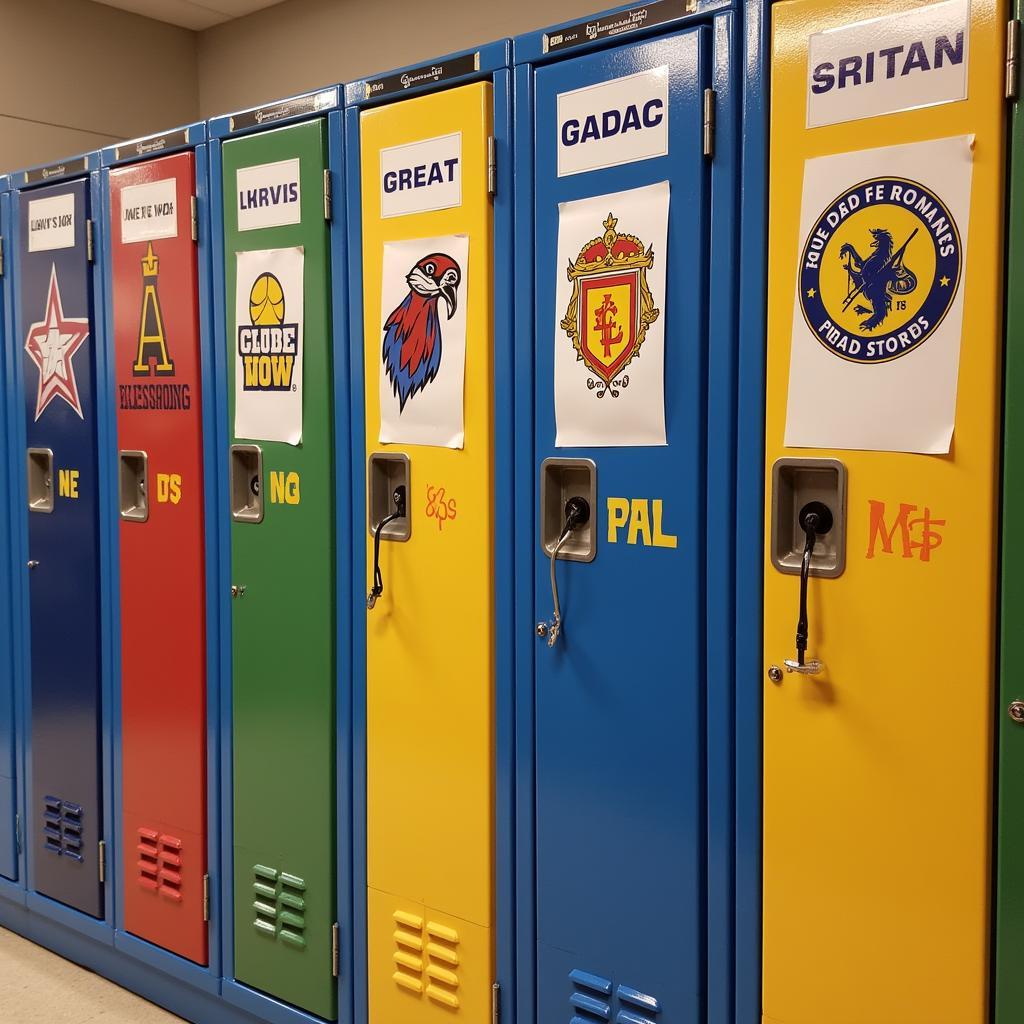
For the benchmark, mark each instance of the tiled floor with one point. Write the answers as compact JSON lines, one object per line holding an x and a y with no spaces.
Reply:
{"x":39,"y":987}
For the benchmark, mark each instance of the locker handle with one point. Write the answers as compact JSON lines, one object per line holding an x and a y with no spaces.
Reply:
{"x":577,"y":514}
{"x":815,"y":520}
{"x":398,"y":497}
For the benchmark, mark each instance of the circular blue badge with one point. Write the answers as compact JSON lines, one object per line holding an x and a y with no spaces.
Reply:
{"x":879,"y":270}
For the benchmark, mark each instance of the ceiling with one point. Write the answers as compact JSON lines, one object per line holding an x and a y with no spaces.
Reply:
{"x":194,"y":14}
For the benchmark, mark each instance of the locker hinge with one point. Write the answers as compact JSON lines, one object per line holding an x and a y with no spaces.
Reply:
{"x":103,"y":861}
{"x":1012,"y":58}
{"x":195,"y":220}
{"x":1,"y":256}
{"x":328,"y":197}
{"x":206,"y":897}
{"x":335,"y":949}
{"x":495,"y":1003}
{"x":709,"y":122}
{"x":17,"y":831}
{"x":492,"y":167}
{"x":88,"y":240}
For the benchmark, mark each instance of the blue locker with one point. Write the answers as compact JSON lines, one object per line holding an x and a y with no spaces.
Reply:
{"x":8,"y":762}
{"x":57,"y":341}
{"x":630,"y":786}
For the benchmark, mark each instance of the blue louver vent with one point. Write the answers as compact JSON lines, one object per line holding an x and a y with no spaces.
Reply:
{"x":593,"y":1003}
{"x":62,"y":828}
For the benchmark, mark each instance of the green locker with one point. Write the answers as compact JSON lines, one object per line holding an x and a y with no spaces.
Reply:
{"x":278,"y":297}
{"x":1009,"y":950}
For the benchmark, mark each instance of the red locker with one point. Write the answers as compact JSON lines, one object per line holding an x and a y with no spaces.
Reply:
{"x":154,"y":264}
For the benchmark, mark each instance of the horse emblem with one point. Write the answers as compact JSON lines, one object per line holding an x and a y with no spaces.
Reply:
{"x":876,"y":278}
{"x":866,"y":298}
{"x":611,"y":306}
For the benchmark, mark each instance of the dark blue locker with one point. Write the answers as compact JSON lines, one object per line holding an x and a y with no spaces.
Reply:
{"x":8,"y":773}
{"x":57,"y":339}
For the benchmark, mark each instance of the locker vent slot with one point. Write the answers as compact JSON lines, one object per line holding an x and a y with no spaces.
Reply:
{"x":62,"y":828}
{"x":589,"y":999}
{"x":279,"y":902}
{"x":159,"y":863}
{"x":426,"y":958}
{"x":443,"y":965}
{"x":408,"y":954}
{"x":636,"y":1007}
{"x":592,"y":1002}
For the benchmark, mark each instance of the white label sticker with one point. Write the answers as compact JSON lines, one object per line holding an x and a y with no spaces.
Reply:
{"x":149,"y":211}
{"x":51,"y":223}
{"x":421,"y":176}
{"x":268,"y":195}
{"x":613,"y":123}
{"x":896,"y":62}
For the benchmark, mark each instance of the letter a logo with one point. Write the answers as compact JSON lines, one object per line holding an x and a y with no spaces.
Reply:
{"x":152,"y":338}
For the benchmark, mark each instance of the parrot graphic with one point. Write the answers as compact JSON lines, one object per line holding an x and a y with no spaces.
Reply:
{"x":412,"y":333}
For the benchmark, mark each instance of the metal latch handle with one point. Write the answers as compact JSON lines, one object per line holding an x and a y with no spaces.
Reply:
{"x":398,"y":497}
{"x":815,"y":521}
{"x":577,"y":514}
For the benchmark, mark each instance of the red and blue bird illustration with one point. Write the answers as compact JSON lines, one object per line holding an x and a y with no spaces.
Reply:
{"x":412,"y":333}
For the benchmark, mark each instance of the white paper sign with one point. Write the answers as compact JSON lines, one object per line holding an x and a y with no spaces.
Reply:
{"x":879,"y":303}
{"x":268,"y":195}
{"x":613,"y":123}
{"x":900,"y":61}
{"x":149,"y":211}
{"x":421,"y":176}
{"x":424,"y":296}
{"x":609,"y":329}
{"x":269,"y":308}
{"x":51,"y":223}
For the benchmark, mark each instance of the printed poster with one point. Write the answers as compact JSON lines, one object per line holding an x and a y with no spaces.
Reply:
{"x":609,"y":325}
{"x":878,"y":311}
{"x":424,"y":291}
{"x":269,"y":306}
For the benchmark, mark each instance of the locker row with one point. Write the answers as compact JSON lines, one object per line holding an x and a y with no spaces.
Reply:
{"x":528,"y":537}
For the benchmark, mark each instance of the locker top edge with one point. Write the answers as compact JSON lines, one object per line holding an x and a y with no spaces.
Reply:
{"x":451,"y":69}
{"x":59,"y":170}
{"x":289,"y":110}
{"x":614,"y":26}
{"x":157,"y":144}
{"x":5,"y":182}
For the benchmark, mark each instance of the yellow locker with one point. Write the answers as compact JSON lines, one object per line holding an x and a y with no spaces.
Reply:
{"x":877,"y":771}
{"x":430,"y":636}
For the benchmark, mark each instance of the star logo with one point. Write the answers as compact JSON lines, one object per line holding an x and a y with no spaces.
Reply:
{"x":50,"y":344}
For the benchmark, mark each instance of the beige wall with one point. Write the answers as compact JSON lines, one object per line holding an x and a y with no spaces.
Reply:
{"x":75,"y":75}
{"x":302,"y":44}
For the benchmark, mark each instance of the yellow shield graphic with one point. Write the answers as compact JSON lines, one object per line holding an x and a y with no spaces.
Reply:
{"x":611,"y":306}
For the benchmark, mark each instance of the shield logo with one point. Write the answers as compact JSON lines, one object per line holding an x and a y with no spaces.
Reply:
{"x":611,"y":306}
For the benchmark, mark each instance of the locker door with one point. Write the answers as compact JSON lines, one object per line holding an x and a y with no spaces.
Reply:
{"x":281,"y":562}
{"x":430,"y":636}
{"x":57,"y":340}
{"x":8,"y":774}
{"x":620,"y":695}
{"x":877,"y":770}
{"x":163,"y":649}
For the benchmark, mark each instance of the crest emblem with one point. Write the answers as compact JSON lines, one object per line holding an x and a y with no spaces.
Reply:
{"x":611,"y":306}
{"x":879,"y":270}
{"x":50,"y":344}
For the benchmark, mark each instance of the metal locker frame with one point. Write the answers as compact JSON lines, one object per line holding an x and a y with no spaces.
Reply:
{"x":493,"y":63}
{"x":84,"y":167}
{"x":325,"y":103}
{"x":736,"y":383}
{"x":190,"y":137}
